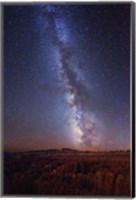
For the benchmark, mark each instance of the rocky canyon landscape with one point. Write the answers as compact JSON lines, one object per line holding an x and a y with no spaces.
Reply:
{"x":67,"y":172}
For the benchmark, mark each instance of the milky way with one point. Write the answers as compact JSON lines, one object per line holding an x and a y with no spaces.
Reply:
{"x":66,"y":76}
{"x":84,"y":126}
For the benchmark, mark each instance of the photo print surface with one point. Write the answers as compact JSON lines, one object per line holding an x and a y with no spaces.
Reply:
{"x":66,"y":88}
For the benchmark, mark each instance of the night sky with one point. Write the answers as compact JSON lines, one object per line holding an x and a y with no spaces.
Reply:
{"x":66,"y":76}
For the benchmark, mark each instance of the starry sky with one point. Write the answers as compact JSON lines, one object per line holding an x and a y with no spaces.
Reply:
{"x":66,"y":76}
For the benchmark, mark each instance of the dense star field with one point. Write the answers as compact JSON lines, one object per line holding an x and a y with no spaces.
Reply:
{"x":66,"y":76}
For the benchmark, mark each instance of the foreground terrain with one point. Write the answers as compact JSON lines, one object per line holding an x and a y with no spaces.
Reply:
{"x":67,"y":172}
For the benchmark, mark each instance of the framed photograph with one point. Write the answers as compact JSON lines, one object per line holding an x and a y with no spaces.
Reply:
{"x":67,"y":99}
